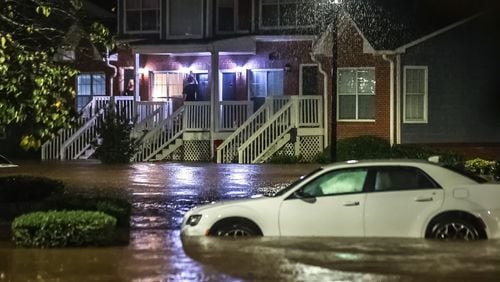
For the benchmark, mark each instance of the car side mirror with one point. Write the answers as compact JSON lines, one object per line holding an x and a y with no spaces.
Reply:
{"x":299,"y":194}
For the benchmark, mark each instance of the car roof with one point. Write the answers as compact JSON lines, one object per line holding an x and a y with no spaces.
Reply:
{"x":375,"y":162}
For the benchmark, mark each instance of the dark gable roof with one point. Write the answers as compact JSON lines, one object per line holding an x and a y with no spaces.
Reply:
{"x":389,"y":24}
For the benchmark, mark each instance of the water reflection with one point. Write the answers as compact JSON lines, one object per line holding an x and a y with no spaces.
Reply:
{"x":163,"y":192}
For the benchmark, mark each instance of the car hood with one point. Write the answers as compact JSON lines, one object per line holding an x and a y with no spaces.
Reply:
{"x":214,"y":205}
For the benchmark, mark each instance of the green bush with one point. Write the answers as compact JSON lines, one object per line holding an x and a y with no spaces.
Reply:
{"x":282,"y":158}
{"x":363,"y":147}
{"x":117,"y":146}
{"x":480,"y":166}
{"x":116,"y":207}
{"x":63,"y":229}
{"x":23,"y":188}
{"x":411,"y":151}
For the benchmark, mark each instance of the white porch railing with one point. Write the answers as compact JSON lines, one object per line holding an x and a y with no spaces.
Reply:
{"x":82,"y":139}
{"x":310,"y":111}
{"x":306,"y":112}
{"x":197,"y":116}
{"x":149,"y":115}
{"x":51,"y":150}
{"x":228,"y":150}
{"x":269,"y":134}
{"x":166,"y":132}
{"x":232,"y":114}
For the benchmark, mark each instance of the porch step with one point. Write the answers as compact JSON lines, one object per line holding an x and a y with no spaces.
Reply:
{"x":278,"y":145}
{"x":169,"y":150}
{"x":87,"y":154}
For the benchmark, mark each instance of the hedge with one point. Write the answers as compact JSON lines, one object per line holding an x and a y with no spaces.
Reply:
{"x":23,"y":188}
{"x":63,"y":229}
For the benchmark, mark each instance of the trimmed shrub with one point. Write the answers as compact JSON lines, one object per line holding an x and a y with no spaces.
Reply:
{"x":63,"y":229}
{"x":410,"y":151}
{"x":23,"y":188}
{"x":363,"y":147}
{"x":480,"y":166}
{"x":116,"y":207}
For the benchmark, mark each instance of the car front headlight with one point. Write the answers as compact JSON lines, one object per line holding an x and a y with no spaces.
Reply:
{"x":193,"y":219}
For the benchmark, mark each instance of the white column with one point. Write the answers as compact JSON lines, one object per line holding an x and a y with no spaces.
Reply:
{"x":137,"y":77}
{"x":214,"y":105}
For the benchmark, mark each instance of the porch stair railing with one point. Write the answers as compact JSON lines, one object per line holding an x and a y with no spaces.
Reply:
{"x":64,"y":145}
{"x":267,"y":137}
{"x":149,"y":115}
{"x":81,"y":141}
{"x":166,"y":137}
{"x":227,"y":152}
{"x":159,"y":138}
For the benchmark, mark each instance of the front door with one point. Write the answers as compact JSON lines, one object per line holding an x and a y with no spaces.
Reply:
{"x":203,"y":90}
{"x":330,"y":205}
{"x":228,"y":86}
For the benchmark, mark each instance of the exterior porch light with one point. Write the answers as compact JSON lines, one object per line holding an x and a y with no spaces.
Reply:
{"x":142,"y":72}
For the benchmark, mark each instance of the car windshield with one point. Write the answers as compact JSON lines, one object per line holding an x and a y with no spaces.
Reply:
{"x":295,"y":183}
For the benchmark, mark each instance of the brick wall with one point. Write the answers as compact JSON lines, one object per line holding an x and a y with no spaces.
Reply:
{"x":350,"y":54}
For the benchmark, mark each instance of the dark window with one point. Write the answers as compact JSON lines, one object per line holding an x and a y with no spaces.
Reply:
{"x":310,"y":80}
{"x":401,"y":178}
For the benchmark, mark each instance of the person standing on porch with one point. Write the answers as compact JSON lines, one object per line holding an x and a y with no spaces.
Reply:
{"x":191,"y":89}
{"x":130,"y":88}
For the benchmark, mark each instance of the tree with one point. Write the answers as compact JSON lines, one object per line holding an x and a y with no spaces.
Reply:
{"x":35,"y":90}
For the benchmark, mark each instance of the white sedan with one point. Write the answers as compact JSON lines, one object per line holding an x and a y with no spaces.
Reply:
{"x":393,"y":198}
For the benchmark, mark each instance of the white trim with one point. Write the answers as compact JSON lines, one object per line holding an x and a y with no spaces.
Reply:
{"x":301,"y":81}
{"x":221,"y":79}
{"x":284,"y":38}
{"x":357,"y":95}
{"x":398,"y":99}
{"x":426,"y":85}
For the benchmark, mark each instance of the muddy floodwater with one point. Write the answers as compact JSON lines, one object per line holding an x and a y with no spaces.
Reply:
{"x":162,"y":192}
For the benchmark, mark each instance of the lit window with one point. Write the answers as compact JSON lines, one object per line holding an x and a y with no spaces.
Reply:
{"x":264,"y":83}
{"x":142,"y":15}
{"x":167,"y":85}
{"x":415,"y":94}
{"x":89,"y":85}
{"x":356,"y":94}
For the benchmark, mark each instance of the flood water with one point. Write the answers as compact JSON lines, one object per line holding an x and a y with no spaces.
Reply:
{"x":162,"y":192}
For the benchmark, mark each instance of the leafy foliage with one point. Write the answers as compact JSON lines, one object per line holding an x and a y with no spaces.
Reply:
{"x":117,"y":146}
{"x":35,"y":93}
{"x":63,"y":228}
{"x":363,"y":147}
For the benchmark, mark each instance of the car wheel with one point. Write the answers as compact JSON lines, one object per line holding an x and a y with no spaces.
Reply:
{"x":454,"y":229}
{"x":235,"y":230}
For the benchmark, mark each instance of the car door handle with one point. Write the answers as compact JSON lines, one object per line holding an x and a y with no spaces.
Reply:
{"x":351,"y":204}
{"x":423,"y":199}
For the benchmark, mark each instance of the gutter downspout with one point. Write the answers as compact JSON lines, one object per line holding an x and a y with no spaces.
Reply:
{"x":391,"y":99}
{"x":398,"y":100}
{"x":325,"y":104}
{"x":115,"y":71}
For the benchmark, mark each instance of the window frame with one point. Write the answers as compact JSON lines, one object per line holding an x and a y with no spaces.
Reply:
{"x":236,"y":19}
{"x":425,"y":105}
{"x":279,"y":26}
{"x":250,"y":77}
{"x":92,"y":94}
{"x":301,"y":77}
{"x":365,"y":189}
{"x":372,"y":174}
{"x":192,"y":36}
{"x":357,"y":119}
{"x":159,"y":19}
